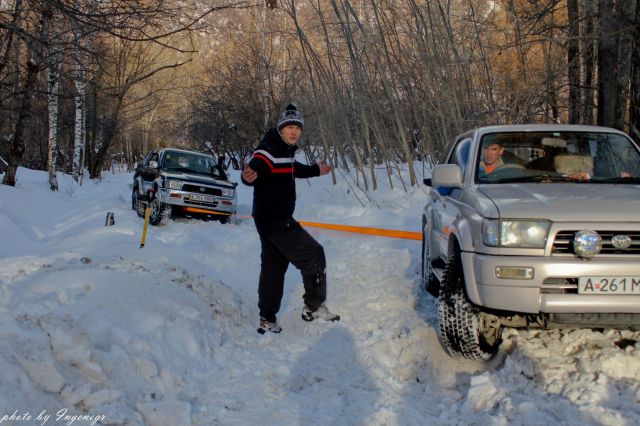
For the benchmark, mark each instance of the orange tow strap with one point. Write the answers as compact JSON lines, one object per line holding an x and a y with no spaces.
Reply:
{"x":391,"y":233}
{"x":196,"y":210}
{"x":363,"y":230}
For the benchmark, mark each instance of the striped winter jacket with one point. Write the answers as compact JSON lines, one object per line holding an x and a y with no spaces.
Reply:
{"x":274,"y":192}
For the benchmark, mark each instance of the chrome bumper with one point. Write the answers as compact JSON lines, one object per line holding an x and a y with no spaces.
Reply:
{"x":537,"y":295}
{"x":181,"y":199}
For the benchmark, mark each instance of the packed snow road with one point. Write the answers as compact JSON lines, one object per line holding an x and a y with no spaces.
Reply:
{"x":166,"y":335}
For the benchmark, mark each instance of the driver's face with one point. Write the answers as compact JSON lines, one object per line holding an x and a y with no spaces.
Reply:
{"x":492,"y":153}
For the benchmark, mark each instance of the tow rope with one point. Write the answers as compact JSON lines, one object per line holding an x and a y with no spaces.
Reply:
{"x":391,"y":233}
{"x":380,"y":232}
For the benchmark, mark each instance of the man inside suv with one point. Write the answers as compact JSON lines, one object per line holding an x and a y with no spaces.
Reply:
{"x":492,"y":157}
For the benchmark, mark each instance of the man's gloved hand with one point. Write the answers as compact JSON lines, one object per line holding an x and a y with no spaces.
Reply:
{"x":248,"y":174}
{"x":324,"y":168}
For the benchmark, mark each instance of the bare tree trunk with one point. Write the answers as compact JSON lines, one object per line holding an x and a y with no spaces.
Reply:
{"x":520,"y":116}
{"x":634,"y":104}
{"x":607,"y":57}
{"x":488,"y":87}
{"x":17,"y":148}
{"x":588,"y":61}
{"x":263,"y":65}
{"x":52,"y":105}
{"x":16,"y":151}
{"x":393,"y":97}
{"x":614,"y":60}
{"x":626,"y":18}
{"x":78,"y":141}
{"x":573,"y":59}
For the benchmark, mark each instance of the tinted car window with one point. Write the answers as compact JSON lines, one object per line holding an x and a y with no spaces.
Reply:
{"x":178,"y":161}
{"x":556,"y":156}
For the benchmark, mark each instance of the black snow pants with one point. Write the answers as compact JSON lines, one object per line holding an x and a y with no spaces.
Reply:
{"x":285,"y":242}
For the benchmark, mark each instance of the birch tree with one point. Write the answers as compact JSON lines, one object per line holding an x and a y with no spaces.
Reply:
{"x":53,"y":85}
{"x":80,"y":117}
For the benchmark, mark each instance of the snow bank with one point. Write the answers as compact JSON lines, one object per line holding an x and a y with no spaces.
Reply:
{"x":94,"y":330}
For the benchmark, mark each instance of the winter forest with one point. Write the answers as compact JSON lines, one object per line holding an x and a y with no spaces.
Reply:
{"x":86,"y":84}
{"x":102,"y":322}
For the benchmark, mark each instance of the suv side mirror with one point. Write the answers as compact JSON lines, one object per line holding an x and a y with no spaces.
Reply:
{"x":445,"y":177}
{"x":153,"y":164}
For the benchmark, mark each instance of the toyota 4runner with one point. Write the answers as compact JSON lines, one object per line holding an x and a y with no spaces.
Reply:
{"x":176,"y":182}
{"x":532,"y":225}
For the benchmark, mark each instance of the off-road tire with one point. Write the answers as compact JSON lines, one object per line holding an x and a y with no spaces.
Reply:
{"x":464,"y":331}
{"x":160,"y":212}
{"x":136,"y":204}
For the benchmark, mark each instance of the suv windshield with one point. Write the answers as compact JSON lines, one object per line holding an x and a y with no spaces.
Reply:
{"x":557,"y":157}
{"x":189,"y":163}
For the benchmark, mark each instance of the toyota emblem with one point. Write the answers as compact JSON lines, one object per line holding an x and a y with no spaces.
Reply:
{"x":621,"y":242}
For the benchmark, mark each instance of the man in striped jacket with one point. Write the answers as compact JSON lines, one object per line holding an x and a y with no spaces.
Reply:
{"x":272,"y":171}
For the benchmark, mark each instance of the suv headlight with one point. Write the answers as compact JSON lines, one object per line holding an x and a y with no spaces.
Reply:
{"x":228,"y":192}
{"x":173,"y":184}
{"x":515,"y":233}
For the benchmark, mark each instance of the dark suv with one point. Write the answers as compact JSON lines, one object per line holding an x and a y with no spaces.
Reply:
{"x":183,"y":183}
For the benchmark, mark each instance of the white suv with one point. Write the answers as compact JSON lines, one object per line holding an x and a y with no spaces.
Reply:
{"x":532,"y":225}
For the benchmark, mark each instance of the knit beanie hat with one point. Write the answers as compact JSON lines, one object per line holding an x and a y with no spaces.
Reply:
{"x":291,"y":115}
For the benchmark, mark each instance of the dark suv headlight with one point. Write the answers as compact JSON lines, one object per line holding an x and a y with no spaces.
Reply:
{"x":228,"y":192}
{"x":173,"y":184}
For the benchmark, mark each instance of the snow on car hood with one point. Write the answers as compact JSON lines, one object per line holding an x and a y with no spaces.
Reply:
{"x":566,"y":201}
{"x":197,"y":178}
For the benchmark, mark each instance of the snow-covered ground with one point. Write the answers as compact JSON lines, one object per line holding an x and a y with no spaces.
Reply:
{"x":95,"y":330}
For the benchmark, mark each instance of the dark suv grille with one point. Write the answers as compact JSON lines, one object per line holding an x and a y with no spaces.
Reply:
{"x":563,"y":243}
{"x":198,"y":189}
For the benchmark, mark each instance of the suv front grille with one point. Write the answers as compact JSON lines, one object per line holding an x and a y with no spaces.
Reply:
{"x":201,"y":203}
{"x":563,"y":243}
{"x":199,"y":189}
{"x":560,"y":286}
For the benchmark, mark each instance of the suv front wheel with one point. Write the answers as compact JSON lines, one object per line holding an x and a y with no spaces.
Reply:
{"x":160,"y":212}
{"x":465,"y":331}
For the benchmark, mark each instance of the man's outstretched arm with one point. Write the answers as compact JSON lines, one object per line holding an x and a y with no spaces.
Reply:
{"x":306,"y":171}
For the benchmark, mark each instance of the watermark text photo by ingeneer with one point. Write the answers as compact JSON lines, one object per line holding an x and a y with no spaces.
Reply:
{"x":43,"y":417}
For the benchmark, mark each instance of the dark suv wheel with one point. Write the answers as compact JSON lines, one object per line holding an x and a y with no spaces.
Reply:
{"x":160,"y":212}
{"x":136,"y":204}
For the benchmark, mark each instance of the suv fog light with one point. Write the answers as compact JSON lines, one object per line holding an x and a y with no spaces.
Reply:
{"x":587,"y":244}
{"x":514,"y":272}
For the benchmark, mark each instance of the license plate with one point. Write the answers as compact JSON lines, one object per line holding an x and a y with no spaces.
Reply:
{"x":609,"y":285}
{"x":204,"y":198}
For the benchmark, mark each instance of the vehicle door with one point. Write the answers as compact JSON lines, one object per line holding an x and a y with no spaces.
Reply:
{"x":446,"y":208}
